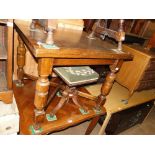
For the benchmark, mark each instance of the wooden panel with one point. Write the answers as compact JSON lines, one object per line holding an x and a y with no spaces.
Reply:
{"x":128,"y":23}
{"x":3,"y":52}
{"x":3,"y":66}
{"x":9,"y":46}
{"x":78,"y":62}
{"x":138,"y":26}
{"x":132,"y":71}
{"x":3,"y":83}
{"x":6,"y":36}
{"x":15,"y":56}
{"x":149,"y":29}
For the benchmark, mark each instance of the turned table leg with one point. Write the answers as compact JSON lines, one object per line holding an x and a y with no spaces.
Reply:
{"x":105,"y":89}
{"x":92,"y":125}
{"x":21,"y":51}
{"x":41,"y":91}
{"x":108,"y":83}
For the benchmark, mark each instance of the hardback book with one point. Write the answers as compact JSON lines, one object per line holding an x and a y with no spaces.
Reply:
{"x":77,"y":75}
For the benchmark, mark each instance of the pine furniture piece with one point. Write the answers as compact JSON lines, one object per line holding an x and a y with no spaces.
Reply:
{"x":6,"y":42}
{"x":139,"y":74}
{"x":70,"y":48}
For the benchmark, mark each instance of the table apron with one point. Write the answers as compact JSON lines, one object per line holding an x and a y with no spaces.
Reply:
{"x":77,"y":62}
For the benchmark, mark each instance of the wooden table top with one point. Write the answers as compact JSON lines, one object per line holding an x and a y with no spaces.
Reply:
{"x":71,"y":43}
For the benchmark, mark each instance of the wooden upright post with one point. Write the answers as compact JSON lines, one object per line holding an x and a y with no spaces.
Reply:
{"x":21,"y":51}
{"x":42,"y":86}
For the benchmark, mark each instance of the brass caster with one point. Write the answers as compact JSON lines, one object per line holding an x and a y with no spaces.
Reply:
{"x":50,"y":117}
{"x":35,"y":131}
{"x":83,"y":111}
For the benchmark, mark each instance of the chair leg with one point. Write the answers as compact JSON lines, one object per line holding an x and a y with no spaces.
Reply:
{"x":86,"y":95}
{"x":58,"y":106}
{"x":92,"y":125}
{"x":51,"y":97}
{"x":76,"y":102}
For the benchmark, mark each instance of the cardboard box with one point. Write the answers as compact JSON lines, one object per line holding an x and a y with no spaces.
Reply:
{"x":9,"y":118}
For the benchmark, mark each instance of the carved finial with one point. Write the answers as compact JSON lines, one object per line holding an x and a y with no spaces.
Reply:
{"x":32,"y":26}
{"x":49,"y":39}
{"x":50,"y":25}
{"x":121,"y":24}
{"x":121,"y":33}
{"x":92,"y":34}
